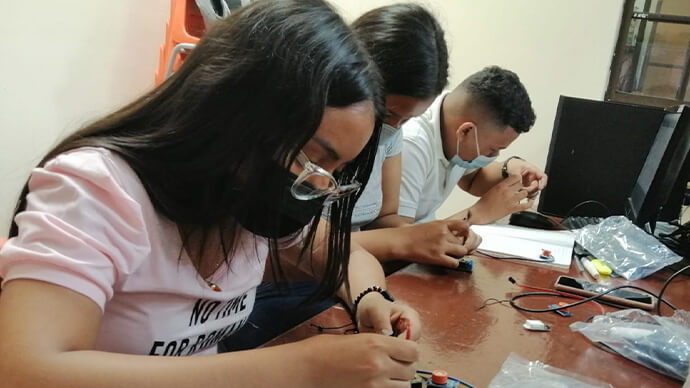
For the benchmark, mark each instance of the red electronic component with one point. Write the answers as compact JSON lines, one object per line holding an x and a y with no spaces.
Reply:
{"x":403,"y":324}
{"x":439,"y":376}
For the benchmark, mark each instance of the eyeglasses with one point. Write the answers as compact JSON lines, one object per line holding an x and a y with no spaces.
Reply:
{"x":315,"y":182}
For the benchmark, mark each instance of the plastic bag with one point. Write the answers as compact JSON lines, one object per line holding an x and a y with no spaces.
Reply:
{"x":518,"y":372}
{"x":627,"y":249}
{"x":659,"y":343}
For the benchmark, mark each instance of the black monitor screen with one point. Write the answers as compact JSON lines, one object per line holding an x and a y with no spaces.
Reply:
{"x":653,"y":161}
{"x":664,"y":174}
{"x":596,"y":153}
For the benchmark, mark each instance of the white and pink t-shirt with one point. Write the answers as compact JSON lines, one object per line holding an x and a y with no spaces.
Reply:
{"x":90,"y":226}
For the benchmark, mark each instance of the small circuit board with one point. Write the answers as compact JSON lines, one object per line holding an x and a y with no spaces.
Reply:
{"x":436,"y":379}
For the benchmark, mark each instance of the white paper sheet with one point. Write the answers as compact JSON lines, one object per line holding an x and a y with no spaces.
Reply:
{"x":508,"y":241}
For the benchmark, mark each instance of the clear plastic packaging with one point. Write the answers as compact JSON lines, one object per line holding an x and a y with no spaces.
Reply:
{"x":518,"y":372}
{"x":659,"y":343}
{"x":627,"y":249}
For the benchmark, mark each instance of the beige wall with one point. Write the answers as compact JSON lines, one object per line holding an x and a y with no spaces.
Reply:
{"x":65,"y":62}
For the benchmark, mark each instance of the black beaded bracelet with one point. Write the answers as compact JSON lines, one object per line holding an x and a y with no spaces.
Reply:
{"x":378,"y":289}
{"x":504,"y":169}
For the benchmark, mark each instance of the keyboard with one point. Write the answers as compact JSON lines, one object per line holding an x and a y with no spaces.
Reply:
{"x":577,"y":222}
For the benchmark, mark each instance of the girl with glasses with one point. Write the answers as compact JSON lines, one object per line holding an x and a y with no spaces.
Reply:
{"x":407,"y":45}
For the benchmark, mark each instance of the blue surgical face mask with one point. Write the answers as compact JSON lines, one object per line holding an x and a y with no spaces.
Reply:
{"x":478,"y":162}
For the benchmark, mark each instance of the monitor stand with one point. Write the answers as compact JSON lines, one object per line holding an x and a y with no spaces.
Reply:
{"x":678,"y":242}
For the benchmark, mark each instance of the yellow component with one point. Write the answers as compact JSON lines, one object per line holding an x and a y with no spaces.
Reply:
{"x":601,"y":267}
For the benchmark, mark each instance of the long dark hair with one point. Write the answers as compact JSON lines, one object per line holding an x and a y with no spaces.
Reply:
{"x":408,"y":46}
{"x":250,"y":95}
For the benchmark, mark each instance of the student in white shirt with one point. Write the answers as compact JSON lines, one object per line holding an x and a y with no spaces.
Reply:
{"x":456,"y":142}
{"x":408,"y":46}
{"x":146,"y":233}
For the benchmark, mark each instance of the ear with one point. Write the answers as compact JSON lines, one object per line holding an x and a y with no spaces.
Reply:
{"x":464,"y":129}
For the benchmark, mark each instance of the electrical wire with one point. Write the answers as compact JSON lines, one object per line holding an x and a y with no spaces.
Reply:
{"x":682,"y":230}
{"x":666,"y":283}
{"x":677,"y":240}
{"x":572,"y":209}
{"x":544,"y":293}
{"x":553,"y":293}
{"x":457,"y":380}
{"x":492,"y":301}
{"x":591,"y":298}
{"x":348,"y":329}
{"x":403,"y":325}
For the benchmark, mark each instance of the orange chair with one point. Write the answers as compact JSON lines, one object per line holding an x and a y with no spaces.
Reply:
{"x":182,"y":32}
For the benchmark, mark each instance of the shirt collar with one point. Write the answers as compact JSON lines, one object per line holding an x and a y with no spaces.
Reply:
{"x":436,"y":119}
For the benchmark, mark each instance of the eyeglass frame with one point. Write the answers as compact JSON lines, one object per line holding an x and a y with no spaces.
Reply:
{"x":335,"y":190}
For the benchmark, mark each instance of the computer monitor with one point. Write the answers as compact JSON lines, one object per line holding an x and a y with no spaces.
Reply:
{"x":663,"y":178}
{"x":596,"y":153}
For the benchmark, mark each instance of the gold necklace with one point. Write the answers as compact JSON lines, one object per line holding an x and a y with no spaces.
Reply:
{"x":196,"y":265}
{"x":212,"y":285}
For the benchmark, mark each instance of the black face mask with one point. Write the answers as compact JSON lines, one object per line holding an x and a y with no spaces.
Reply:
{"x":264,"y":217}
